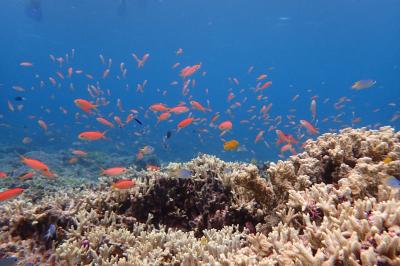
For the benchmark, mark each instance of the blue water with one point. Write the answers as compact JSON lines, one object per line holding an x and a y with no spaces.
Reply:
{"x":310,"y":48}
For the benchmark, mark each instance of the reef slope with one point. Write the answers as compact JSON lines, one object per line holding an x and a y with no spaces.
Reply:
{"x":329,"y":205}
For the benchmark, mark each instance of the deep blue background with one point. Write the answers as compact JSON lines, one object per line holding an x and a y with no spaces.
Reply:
{"x":306,"y":47}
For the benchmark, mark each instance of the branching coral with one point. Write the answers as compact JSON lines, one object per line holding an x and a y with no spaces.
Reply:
{"x":329,"y":205}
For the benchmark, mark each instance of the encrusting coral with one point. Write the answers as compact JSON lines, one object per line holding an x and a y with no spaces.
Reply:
{"x":329,"y":205}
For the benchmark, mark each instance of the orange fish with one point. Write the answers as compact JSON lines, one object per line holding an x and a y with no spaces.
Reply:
{"x":79,"y":152}
{"x":124,"y":184}
{"x":264,"y":86}
{"x":10,"y":193}
{"x":42,"y":124}
{"x":92,"y":135}
{"x":163,"y":116}
{"x":179,"y":110}
{"x":73,"y":160}
{"x":129,"y":118}
{"x":261,"y":77}
{"x":197,"y":106}
{"x":231,"y":145}
{"x":118,"y":121}
{"x":26,"y":176}
{"x":3,"y":175}
{"x":35,"y":164}
{"x":185,"y":122}
{"x":259,"y":136}
{"x":310,"y":128}
{"x":105,"y":122}
{"x":281,"y":137}
{"x":114,"y":171}
{"x":189,"y":70}
{"x":159,"y":107}
{"x":85,"y":105}
{"x":225,"y":126}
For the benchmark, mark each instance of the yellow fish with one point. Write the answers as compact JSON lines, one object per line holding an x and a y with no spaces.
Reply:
{"x":231,"y":145}
{"x":387,"y":160}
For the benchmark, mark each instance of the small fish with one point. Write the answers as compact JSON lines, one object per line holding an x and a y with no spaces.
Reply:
{"x":185,"y":122}
{"x":169,"y":134}
{"x":387,"y":160}
{"x":26,"y":64}
{"x":124,"y":184}
{"x":147,"y":150}
{"x":35,"y":164}
{"x":231,"y":145}
{"x":310,"y":128}
{"x":114,"y":171}
{"x":105,"y":122}
{"x":92,"y":135}
{"x":10,"y":193}
{"x":138,"y":121}
{"x":79,"y":152}
{"x":27,"y":175}
{"x":225,"y":126}
{"x":85,"y":105}
{"x":19,"y":98}
{"x":3,"y":175}
{"x":363,"y":84}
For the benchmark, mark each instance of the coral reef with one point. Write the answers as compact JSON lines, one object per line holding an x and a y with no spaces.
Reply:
{"x":329,"y":205}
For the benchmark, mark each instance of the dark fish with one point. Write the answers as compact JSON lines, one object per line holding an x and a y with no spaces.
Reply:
{"x":9,"y":261}
{"x":169,"y":134}
{"x":34,"y":10}
{"x":138,"y":121}
{"x":19,"y":98}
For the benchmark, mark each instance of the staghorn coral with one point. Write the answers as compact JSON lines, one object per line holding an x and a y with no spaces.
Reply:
{"x":329,"y":205}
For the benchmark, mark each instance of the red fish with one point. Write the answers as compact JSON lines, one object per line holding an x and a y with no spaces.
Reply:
{"x":114,"y":171}
{"x":226,"y":125}
{"x":35,"y":164}
{"x":79,"y":152}
{"x":185,"y":122}
{"x":159,"y":107}
{"x":104,"y":121}
{"x":42,"y":124}
{"x":10,"y":193}
{"x":163,"y":116}
{"x":310,"y":128}
{"x":26,"y":176}
{"x":85,"y":105}
{"x":264,"y":86}
{"x":197,"y":106}
{"x":92,"y":135}
{"x":179,"y":110}
{"x":189,"y":70}
{"x":124,"y":184}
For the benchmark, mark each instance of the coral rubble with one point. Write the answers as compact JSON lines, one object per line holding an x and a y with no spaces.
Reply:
{"x":329,"y":205}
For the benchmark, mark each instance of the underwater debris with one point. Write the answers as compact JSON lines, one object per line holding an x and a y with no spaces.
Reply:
{"x":327,"y":205}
